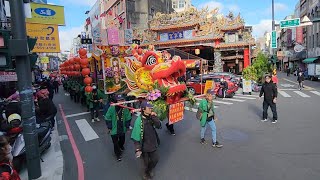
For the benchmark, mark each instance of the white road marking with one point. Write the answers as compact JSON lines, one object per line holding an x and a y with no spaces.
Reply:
{"x":77,"y":114}
{"x":86,"y":130}
{"x":301,"y":93}
{"x":284,"y":94}
{"x":219,"y":102}
{"x":236,"y":100}
{"x":315,"y":92}
{"x":244,"y":97}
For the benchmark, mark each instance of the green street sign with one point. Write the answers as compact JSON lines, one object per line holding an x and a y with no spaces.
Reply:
{"x":274,"y":40}
{"x":290,"y":23}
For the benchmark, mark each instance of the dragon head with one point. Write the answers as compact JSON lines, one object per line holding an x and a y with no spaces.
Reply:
{"x":146,"y":67}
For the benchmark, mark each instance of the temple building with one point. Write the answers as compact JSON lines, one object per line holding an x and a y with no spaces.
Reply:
{"x":223,"y":43}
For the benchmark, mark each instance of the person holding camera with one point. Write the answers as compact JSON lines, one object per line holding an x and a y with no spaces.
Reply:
{"x":146,"y":139}
{"x":206,"y":107}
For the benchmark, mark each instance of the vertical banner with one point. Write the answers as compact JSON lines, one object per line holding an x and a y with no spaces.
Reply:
{"x":128,"y":36}
{"x":246,"y":57}
{"x":176,"y":112}
{"x":113,"y":36}
{"x":299,"y":35}
{"x":289,"y":37}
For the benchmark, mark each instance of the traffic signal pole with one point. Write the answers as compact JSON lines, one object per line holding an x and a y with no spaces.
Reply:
{"x":20,"y":50}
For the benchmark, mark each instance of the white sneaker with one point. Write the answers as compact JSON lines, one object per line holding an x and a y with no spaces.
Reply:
{"x":97,"y":119}
{"x":264,"y":120}
{"x":274,"y":121}
{"x":92,"y":120}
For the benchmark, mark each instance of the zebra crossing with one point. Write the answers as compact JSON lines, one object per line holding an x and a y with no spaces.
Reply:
{"x":240,"y":98}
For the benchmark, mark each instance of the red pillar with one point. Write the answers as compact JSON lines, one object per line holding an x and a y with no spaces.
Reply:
{"x":246,"y":58}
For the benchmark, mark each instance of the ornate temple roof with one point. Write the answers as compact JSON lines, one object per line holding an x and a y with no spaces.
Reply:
{"x":235,"y":45}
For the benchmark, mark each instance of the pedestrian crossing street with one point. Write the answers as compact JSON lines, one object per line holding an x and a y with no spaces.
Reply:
{"x":240,"y":98}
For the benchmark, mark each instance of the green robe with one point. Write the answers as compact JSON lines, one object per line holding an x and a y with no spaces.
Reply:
{"x":90,"y":102}
{"x":136,"y":132}
{"x":111,"y":116}
{"x":203,"y":106}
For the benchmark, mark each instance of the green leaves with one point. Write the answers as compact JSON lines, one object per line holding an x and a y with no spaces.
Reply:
{"x":258,"y":68}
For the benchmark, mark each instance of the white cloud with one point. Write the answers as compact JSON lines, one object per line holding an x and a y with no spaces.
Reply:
{"x":262,"y":27}
{"x":277,"y":8}
{"x":79,"y":2}
{"x":67,"y":36}
{"x":233,"y":8}
{"x":212,"y":5}
{"x":265,"y":25}
{"x":223,"y":8}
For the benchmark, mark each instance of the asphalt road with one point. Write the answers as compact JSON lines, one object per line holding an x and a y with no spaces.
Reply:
{"x":288,"y":150}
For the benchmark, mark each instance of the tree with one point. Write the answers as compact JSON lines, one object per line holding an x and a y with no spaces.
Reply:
{"x":258,"y":69}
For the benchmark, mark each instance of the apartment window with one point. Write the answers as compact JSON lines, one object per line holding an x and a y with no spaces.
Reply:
{"x":318,"y":40}
{"x":181,"y":3}
{"x":174,"y":4}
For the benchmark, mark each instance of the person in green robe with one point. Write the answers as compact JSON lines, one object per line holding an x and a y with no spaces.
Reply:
{"x":208,"y":117}
{"x":94,"y":100}
{"x":118,"y":120}
{"x":145,"y":138}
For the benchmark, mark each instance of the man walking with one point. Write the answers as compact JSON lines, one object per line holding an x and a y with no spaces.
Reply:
{"x":300,"y":80}
{"x":118,"y":121}
{"x":206,"y":107}
{"x":224,"y":86}
{"x":269,"y":90}
{"x":146,"y":139}
{"x":94,"y":99}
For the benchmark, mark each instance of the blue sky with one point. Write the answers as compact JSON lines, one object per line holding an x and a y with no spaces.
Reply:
{"x":255,"y":12}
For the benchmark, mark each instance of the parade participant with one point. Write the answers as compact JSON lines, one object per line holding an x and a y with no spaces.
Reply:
{"x":270,"y":98}
{"x":94,"y":99}
{"x":118,"y":121}
{"x":224,"y":86}
{"x":208,"y":117}
{"x":56,"y":85}
{"x":146,"y":139}
{"x":275,"y":79}
{"x":300,"y":80}
{"x":7,"y":172}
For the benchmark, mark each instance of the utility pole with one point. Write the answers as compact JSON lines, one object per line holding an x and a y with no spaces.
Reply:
{"x":20,"y":50}
{"x":273,"y":26}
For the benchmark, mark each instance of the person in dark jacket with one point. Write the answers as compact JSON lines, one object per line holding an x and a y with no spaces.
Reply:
{"x":269,"y":90}
{"x":300,"y":80}
{"x":118,"y":121}
{"x":224,"y":86}
{"x":45,"y":107}
{"x":56,"y":85}
{"x":146,"y":139}
{"x":50,"y":88}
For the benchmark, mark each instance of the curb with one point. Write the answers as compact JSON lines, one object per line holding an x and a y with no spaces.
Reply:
{"x":52,"y":167}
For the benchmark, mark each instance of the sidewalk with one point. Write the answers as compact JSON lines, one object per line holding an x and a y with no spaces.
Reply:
{"x":52,"y":167}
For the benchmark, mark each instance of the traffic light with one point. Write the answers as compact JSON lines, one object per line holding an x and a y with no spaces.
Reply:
{"x":33,"y":57}
{"x":5,"y":58}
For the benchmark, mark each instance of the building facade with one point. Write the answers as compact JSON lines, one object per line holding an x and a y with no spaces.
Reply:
{"x":181,"y":5}
{"x":313,"y":32}
{"x":224,"y":41}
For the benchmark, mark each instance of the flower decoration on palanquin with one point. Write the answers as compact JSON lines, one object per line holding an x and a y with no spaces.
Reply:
{"x":154,"y":95}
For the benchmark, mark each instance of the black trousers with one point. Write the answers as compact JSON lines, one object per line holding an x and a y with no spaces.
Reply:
{"x":94,"y":111}
{"x":150,"y":160}
{"x":273,"y":107}
{"x":56,"y":89}
{"x":170,"y":128}
{"x":118,"y":143}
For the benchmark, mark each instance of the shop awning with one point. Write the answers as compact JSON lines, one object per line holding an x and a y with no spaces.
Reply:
{"x":309,"y":60}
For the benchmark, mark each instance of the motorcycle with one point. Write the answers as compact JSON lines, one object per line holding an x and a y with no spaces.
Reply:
{"x":230,"y":92}
{"x":43,"y":131}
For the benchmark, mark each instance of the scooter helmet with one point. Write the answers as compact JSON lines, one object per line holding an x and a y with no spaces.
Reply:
{"x":14,"y":120}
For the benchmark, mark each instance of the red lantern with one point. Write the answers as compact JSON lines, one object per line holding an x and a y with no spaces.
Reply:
{"x":87,"y":80}
{"x":77,"y":67}
{"x":72,"y":61}
{"x":72,"y":67}
{"x":82,"y":52}
{"x":77,"y":59}
{"x":84,"y":65}
{"x":88,"y":89}
{"x":85,"y":71}
{"x":84,"y":61}
{"x":83,"y":57}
